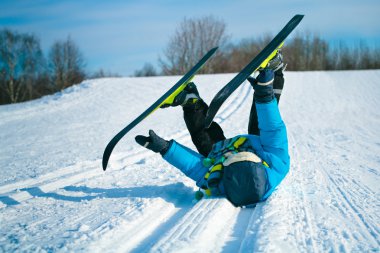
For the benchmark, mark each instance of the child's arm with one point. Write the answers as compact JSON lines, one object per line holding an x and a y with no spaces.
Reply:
{"x":186,"y":160}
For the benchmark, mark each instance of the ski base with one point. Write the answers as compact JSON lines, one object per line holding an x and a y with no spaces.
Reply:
{"x":166,"y":98}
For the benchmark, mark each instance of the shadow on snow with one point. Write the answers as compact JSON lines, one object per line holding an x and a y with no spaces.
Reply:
{"x":170,"y":193}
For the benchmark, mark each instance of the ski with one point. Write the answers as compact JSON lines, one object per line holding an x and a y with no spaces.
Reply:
{"x":164,"y":99}
{"x":230,"y":87}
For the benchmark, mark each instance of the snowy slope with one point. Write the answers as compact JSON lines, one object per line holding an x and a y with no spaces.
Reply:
{"x":54,"y":195}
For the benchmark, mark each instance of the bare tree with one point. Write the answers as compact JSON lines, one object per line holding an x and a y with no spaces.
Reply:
{"x":102,"y":73}
{"x":66,"y":63}
{"x":191,"y":40}
{"x":147,"y":70}
{"x":241,"y":54}
{"x":34,"y":67}
{"x":307,"y":51}
{"x":21,"y":64}
{"x":10,"y":51}
{"x":320,"y":54}
{"x":347,"y":57}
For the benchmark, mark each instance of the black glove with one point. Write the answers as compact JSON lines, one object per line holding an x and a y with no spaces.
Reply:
{"x":153,"y":142}
{"x":263,"y":86}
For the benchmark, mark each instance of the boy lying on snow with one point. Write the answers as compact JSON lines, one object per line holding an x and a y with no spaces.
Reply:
{"x":246,"y":168}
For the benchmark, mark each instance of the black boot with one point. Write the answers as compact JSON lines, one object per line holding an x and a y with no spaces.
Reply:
{"x":188,"y":96}
{"x":263,"y":86}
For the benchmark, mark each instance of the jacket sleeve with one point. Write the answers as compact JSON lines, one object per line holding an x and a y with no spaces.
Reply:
{"x":187,"y":161}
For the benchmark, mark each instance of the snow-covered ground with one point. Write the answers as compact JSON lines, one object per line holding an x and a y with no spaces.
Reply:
{"x":54,"y":195}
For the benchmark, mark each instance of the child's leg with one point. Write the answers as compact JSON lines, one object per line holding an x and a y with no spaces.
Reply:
{"x":278,"y":85}
{"x":253,"y":124}
{"x":203,"y":138}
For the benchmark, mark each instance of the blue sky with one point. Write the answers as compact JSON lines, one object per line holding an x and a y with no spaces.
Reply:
{"x":120,"y":36}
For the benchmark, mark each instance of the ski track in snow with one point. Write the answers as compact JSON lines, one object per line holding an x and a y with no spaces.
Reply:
{"x":343,"y":200}
{"x":142,"y":204}
{"x":75,"y":174}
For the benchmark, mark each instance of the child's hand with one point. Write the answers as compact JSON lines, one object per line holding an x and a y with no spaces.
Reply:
{"x":153,"y":142}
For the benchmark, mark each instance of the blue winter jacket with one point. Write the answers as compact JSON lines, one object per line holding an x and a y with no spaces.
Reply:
{"x":271,"y":146}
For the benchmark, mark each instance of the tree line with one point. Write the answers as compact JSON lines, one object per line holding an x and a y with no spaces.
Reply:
{"x":25,"y":72}
{"x":302,"y":52}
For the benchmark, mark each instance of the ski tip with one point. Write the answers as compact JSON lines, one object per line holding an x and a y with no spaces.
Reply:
{"x":105,"y":161}
{"x":296,"y":19}
{"x":213,"y":49}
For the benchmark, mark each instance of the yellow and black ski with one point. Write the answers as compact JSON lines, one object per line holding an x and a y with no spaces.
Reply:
{"x":167,"y":98}
{"x":260,"y":60}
